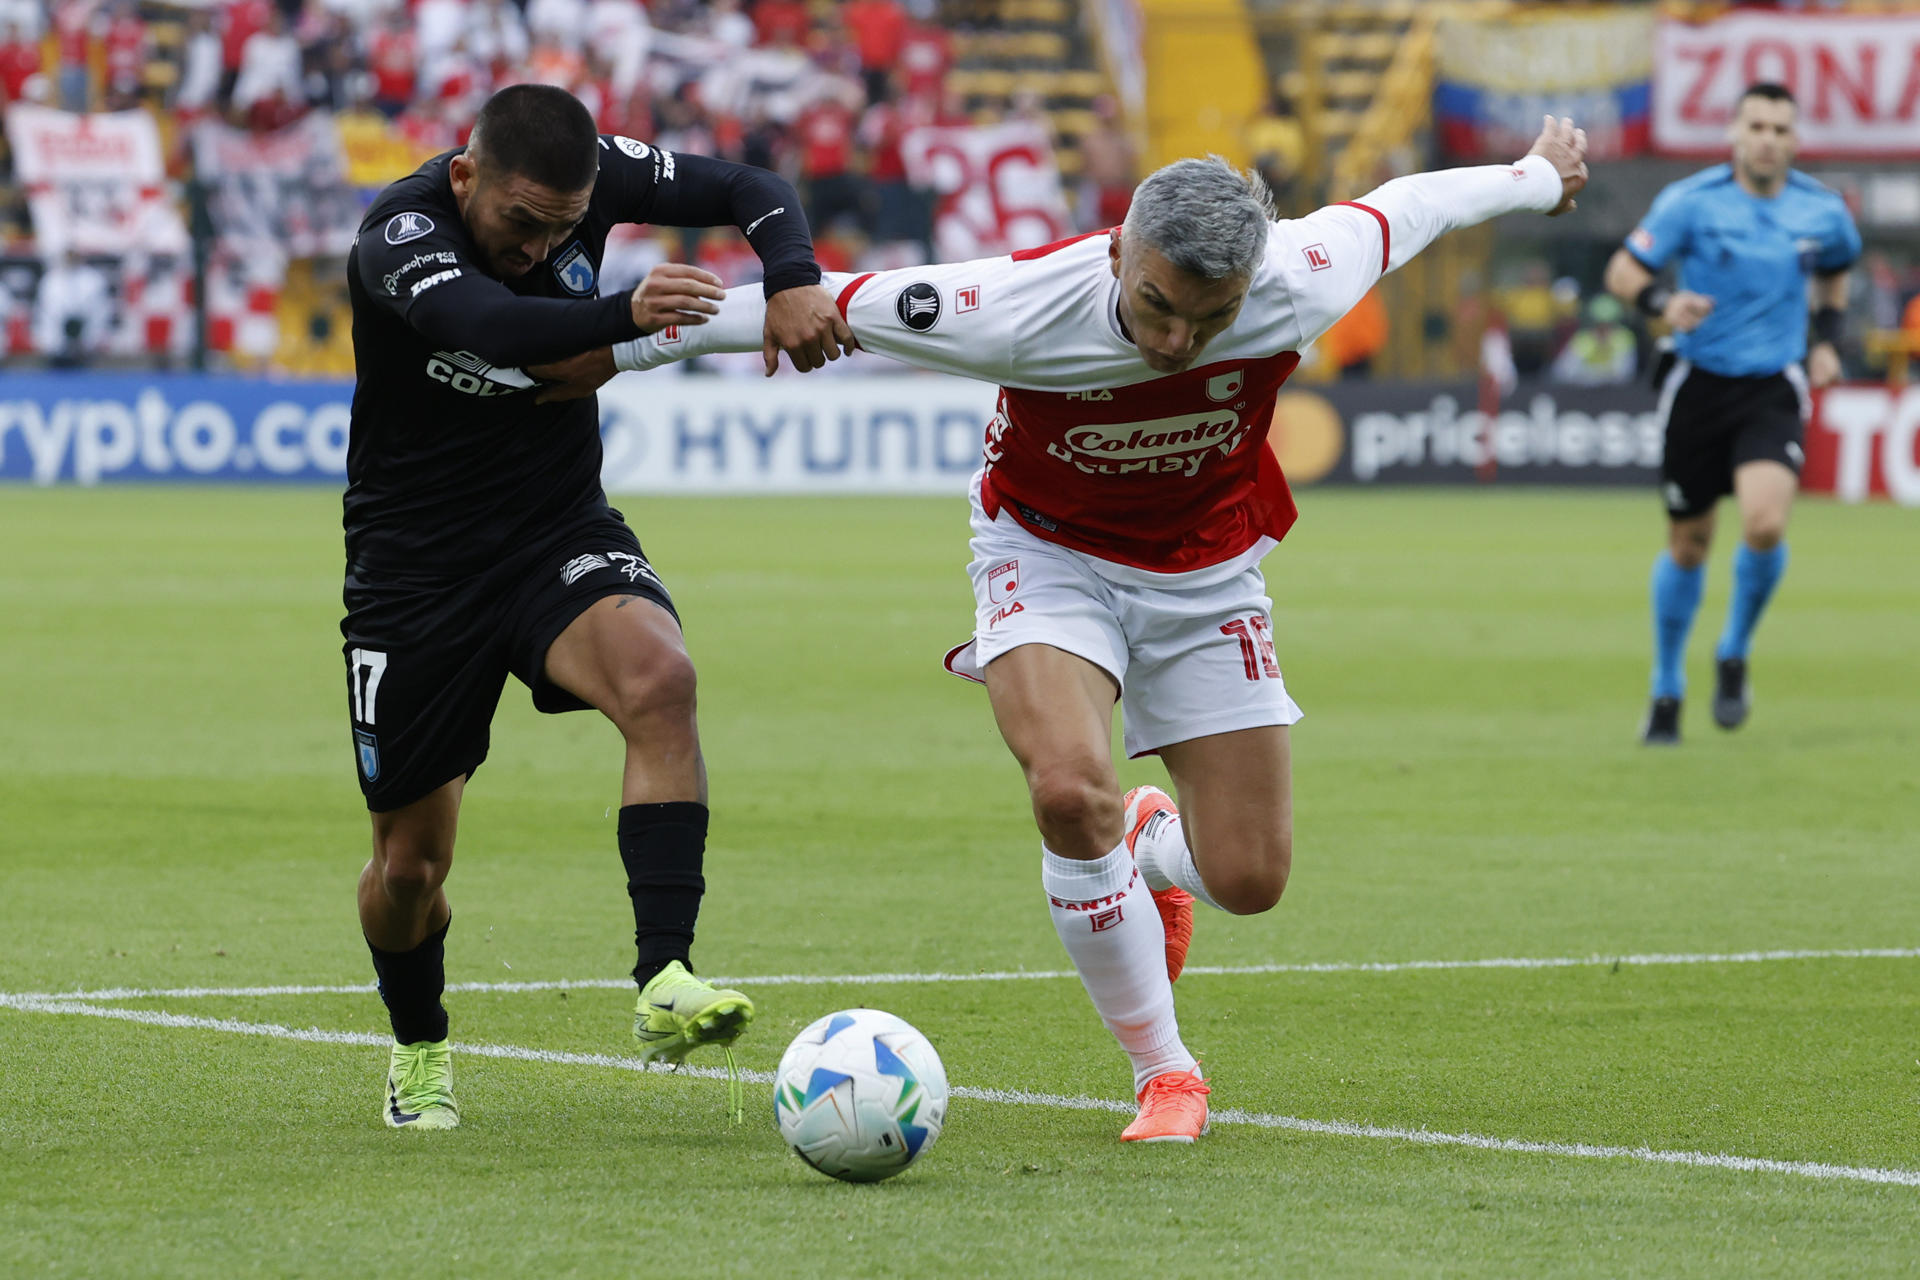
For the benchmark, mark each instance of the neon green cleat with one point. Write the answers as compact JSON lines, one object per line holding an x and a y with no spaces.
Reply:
{"x":678,"y":1013}
{"x":420,"y":1087}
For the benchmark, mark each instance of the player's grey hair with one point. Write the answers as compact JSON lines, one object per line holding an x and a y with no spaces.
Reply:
{"x":1203,"y":216}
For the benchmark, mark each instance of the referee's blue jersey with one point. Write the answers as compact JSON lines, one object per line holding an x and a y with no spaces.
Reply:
{"x":1751,"y":255}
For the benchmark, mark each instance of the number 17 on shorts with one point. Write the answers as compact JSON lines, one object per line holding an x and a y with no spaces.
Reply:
{"x":364,"y":669}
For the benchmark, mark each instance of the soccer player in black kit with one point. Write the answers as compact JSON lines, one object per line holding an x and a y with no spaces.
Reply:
{"x":479,"y":542}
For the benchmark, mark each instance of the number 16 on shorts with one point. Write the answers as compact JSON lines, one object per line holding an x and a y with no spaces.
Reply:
{"x":364,"y":669}
{"x":1255,"y":635}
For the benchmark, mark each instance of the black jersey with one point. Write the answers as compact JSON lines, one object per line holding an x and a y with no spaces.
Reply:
{"x":451,"y":463}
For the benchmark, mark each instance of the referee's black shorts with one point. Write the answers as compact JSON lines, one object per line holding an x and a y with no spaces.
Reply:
{"x":427,"y":657}
{"x":1716,"y":424}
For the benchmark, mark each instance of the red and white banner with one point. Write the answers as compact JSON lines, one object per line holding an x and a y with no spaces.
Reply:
{"x":1864,"y":441}
{"x":998,"y":185}
{"x":1857,"y":79}
{"x":94,"y":183}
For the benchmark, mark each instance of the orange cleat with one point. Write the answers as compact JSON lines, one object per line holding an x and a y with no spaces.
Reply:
{"x":1175,"y":904}
{"x":1173,"y":1108}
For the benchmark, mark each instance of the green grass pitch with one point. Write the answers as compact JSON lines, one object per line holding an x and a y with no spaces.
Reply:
{"x":177,"y":809}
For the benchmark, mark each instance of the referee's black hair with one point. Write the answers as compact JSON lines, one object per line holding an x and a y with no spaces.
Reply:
{"x":1770,"y":90}
{"x":540,"y":132}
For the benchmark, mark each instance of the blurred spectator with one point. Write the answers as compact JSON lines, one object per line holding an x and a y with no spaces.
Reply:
{"x":618,"y":31}
{"x":497,"y":36}
{"x":1279,"y":150}
{"x":240,"y":20}
{"x":395,"y":55}
{"x":19,"y":60}
{"x":824,"y":132}
{"x":270,"y":90}
{"x":1109,"y":170}
{"x":782,"y":24}
{"x":1910,"y":325}
{"x":878,"y":29}
{"x":201,"y":66}
{"x":558,"y":22}
{"x":1530,"y":310}
{"x":1347,"y":350}
{"x":729,"y":24}
{"x":72,"y":312}
{"x":28,"y":17}
{"x":73,"y":41}
{"x":437,"y":24}
{"x":926,"y":55}
{"x":1601,"y":352}
{"x":900,"y":212}
{"x":125,"y":44}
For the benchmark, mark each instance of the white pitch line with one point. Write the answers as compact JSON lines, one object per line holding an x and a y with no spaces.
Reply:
{"x":1022,"y":975}
{"x":1019,"y":1097}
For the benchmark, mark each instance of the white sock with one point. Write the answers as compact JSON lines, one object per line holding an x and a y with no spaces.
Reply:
{"x":1165,"y":859}
{"x":1111,"y":930}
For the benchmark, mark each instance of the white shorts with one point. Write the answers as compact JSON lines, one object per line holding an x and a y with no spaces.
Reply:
{"x":1189,"y":661}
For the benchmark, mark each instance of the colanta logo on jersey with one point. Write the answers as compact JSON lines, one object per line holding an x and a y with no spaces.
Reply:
{"x":402,"y":227}
{"x":574,"y":270}
{"x":1179,"y":443}
{"x":918,"y":306}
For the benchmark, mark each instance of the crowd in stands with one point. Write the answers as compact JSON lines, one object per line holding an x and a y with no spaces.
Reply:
{"x":821,"y":91}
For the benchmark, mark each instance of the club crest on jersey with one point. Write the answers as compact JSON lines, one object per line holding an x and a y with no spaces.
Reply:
{"x":402,"y":227}
{"x":1225,"y":386}
{"x":1002,"y":581}
{"x":574,"y":270}
{"x":368,"y":748}
{"x":918,"y":306}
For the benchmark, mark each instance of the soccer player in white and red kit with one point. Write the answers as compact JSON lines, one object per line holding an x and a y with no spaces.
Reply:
{"x":1125,"y":501}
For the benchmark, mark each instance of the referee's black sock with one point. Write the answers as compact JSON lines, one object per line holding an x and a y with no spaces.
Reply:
{"x":411,"y":983}
{"x":662,"y":846}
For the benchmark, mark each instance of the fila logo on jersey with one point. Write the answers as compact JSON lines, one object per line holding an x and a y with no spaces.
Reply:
{"x":967,"y":299}
{"x":1225,"y":386}
{"x":1317,"y":258}
{"x":1002,"y":581}
{"x":1088,"y":395}
{"x":574,"y":270}
{"x":918,"y":306}
{"x":402,"y":227}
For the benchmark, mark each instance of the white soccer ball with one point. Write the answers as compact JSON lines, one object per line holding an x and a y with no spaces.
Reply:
{"x":860,"y":1095}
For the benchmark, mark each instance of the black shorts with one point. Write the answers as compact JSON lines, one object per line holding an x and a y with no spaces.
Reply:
{"x":1715,"y":425}
{"x":428,"y":657}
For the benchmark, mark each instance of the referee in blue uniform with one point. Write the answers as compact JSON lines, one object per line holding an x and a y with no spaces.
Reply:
{"x":1749,"y":236}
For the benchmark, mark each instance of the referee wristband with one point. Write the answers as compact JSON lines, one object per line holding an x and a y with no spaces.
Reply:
{"x":1653,"y":299}
{"x":1827,"y":324}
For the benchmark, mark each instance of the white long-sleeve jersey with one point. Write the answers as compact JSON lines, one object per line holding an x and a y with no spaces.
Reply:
{"x":1092,"y":449}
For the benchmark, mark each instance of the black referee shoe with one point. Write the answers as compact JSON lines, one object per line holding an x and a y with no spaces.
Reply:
{"x":1731,"y":697}
{"x":1663,"y":724}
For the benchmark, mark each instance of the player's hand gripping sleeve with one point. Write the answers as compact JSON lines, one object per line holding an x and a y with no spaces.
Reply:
{"x":1334,"y":255}
{"x":949,"y":317}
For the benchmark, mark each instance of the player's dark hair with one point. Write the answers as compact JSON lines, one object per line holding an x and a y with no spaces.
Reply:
{"x":1771,"y":91}
{"x":540,"y":132}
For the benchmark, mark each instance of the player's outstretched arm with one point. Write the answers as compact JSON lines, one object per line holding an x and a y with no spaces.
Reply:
{"x":1334,"y":255}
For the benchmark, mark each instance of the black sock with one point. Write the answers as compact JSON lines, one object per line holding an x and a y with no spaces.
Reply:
{"x":411,"y":983}
{"x":662,"y":846}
